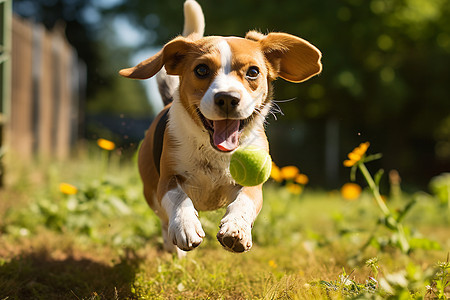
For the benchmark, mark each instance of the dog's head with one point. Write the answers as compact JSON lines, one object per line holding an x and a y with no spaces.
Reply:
{"x":224,"y":81}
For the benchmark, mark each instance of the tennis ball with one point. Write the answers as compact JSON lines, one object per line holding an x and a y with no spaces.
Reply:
{"x":250,"y":166}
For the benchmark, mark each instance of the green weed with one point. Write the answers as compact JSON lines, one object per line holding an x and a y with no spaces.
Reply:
{"x":441,"y":280}
{"x":393,"y":221}
{"x":96,"y":238}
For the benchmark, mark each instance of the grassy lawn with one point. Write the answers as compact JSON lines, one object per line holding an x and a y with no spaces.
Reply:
{"x":103,"y":242}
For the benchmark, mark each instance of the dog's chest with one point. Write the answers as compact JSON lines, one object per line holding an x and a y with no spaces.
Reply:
{"x":206,"y":178}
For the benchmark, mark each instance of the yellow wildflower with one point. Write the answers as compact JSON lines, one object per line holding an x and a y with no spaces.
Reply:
{"x":67,"y":189}
{"x":289,"y":172}
{"x":350,"y":191}
{"x":275,"y":173}
{"x":272,"y":263}
{"x":362,"y":148}
{"x":105,"y":144}
{"x":301,"y":179}
{"x":294,"y":188}
{"x":356,"y":154}
{"x":349,"y":163}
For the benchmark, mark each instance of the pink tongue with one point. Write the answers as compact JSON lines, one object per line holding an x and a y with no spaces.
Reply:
{"x":226,"y":134}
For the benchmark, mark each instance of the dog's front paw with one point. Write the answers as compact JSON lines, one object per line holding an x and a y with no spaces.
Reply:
{"x":185,"y":229}
{"x":235,"y":234}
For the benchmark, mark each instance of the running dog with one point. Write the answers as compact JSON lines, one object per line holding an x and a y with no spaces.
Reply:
{"x":218,"y":93}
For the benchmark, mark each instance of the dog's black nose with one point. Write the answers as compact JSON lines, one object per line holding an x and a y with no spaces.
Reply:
{"x":227,"y":101}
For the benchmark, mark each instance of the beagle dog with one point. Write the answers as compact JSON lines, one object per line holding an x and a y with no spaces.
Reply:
{"x":218,"y":94}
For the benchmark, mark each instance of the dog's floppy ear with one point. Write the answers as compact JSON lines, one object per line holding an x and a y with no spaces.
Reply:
{"x":171,"y":56}
{"x":293,"y":58}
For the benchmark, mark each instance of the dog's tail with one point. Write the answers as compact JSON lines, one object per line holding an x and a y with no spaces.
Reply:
{"x":194,"y":21}
{"x":194,"y":28}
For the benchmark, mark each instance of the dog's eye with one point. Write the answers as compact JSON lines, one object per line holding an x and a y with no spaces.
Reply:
{"x":252,"y":73}
{"x":201,"y":71}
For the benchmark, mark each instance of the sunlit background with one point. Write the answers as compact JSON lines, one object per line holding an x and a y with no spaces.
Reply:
{"x":385,"y":78}
{"x":74,"y":223}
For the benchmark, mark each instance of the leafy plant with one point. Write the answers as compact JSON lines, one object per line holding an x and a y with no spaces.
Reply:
{"x":95,"y":209}
{"x":393,"y":221}
{"x":348,"y":287}
{"x":441,"y":280}
{"x":92,"y":212}
{"x":409,"y":283}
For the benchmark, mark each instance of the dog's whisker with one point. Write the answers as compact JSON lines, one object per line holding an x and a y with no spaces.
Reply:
{"x":258,"y":112}
{"x":275,"y":109}
{"x":274,"y":115}
{"x":285,"y":100}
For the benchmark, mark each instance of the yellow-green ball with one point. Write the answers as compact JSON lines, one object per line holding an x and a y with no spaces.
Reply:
{"x":250,"y":166}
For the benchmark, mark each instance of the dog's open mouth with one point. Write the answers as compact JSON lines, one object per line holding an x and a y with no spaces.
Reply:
{"x":224,"y":134}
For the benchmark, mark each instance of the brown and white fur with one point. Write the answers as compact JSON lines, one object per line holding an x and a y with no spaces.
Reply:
{"x":220,"y":103}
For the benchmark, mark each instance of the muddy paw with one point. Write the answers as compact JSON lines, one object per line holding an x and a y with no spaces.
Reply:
{"x":235,"y":235}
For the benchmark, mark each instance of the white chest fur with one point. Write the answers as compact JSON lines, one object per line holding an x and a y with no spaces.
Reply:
{"x":205,"y":171}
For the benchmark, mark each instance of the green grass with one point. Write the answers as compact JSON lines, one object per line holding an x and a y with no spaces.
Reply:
{"x":104,"y":243}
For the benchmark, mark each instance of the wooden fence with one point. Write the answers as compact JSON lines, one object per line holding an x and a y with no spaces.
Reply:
{"x":5,"y":74}
{"x":46,"y":84}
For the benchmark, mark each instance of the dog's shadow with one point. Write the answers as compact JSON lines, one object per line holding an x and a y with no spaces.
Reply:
{"x":38,"y":276}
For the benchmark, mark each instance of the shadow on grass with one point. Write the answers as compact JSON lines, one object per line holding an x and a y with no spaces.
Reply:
{"x":38,"y":276}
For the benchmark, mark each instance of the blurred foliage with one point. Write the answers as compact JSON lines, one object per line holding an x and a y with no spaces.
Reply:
{"x":440,"y":186}
{"x":385,"y":72}
{"x":385,"y":75}
{"x":376,"y":53}
{"x":123,"y":97}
